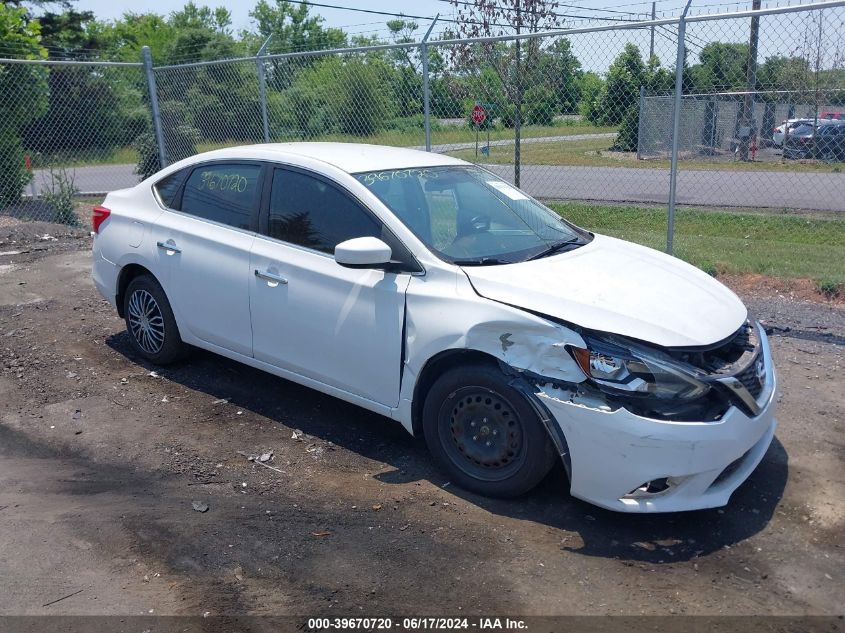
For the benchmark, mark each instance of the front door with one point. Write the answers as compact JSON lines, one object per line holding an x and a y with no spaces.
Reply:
{"x":311,"y":316}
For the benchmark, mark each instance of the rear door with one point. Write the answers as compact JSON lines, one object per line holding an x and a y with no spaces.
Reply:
{"x":339,"y":326}
{"x":203,"y":245}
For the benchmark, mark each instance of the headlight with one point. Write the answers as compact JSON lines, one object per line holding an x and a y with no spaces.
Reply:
{"x":627,"y":368}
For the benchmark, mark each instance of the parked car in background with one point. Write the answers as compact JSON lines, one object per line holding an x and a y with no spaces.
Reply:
{"x":837,"y":116}
{"x":826,"y":141}
{"x":780,"y":131}
{"x":431,"y":291}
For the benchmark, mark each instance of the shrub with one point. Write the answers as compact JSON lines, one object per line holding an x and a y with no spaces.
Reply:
{"x":539,"y":106}
{"x":13,"y":174}
{"x":628,"y":137}
{"x":181,"y":140}
{"x":60,"y":195}
{"x":830,"y":288}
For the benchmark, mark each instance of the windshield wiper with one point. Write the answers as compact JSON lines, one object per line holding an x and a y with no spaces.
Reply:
{"x":557,"y":247}
{"x":481,"y":261}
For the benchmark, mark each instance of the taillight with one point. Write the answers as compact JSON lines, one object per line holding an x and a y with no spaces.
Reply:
{"x":98,"y":216}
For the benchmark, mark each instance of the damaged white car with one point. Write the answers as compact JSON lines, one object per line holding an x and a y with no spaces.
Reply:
{"x":431,"y":291}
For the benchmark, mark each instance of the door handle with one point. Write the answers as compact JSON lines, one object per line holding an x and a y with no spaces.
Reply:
{"x":267,"y":276}
{"x":169,"y":246}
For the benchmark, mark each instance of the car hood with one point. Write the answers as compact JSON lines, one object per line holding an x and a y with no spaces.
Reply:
{"x":615,"y":286}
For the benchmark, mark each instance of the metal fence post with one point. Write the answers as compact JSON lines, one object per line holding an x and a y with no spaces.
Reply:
{"x":262,"y":88}
{"x":640,"y":123}
{"x":426,"y":91}
{"x":676,"y":127}
{"x":151,"y":86}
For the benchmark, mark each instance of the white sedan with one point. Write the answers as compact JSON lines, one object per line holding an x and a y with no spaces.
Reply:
{"x":779,"y":133}
{"x":429,"y":290}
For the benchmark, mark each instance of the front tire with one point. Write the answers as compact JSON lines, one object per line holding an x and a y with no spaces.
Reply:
{"x":484,"y":433}
{"x":150,"y":322}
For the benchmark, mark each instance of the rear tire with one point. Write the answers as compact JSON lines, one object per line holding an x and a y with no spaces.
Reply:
{"x":484,"y":433}
{"x":150,"y":322}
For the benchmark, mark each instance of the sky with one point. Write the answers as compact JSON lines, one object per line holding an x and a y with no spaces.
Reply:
{"x":362,"y":22}
{"x":779,"y":34}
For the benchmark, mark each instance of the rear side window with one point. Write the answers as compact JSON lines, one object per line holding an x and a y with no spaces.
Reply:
{"x":310,"y":212}
{"x":222,"y":192}
{"x":168,"y":188}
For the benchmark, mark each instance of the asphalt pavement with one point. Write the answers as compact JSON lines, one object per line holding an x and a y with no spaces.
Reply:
{"x":718,"y":188}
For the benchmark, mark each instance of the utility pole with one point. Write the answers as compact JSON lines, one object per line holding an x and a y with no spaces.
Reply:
{"x":747,"y":124}
{"x":651,"y":42}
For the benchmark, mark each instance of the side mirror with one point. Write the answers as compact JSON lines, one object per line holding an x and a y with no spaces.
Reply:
{"x":362,"y":252}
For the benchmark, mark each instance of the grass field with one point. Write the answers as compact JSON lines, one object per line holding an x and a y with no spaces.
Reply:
{"x":399,"y":138}
{"x":581,"y":152}
{"x":595,"y":152}
{"x":788,"y":246}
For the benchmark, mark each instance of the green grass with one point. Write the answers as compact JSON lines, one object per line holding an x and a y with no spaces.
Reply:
{"x":403,"y":138}
{"x":788,"y":246}
{"x":595,"y":152}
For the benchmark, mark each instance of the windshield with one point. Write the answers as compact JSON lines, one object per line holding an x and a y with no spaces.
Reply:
{"x":467,"y":215}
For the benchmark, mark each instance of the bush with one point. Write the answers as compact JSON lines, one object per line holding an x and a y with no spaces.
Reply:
{"x":181,"y":140}
{"x":507,"y":115}
{"x":13,"y":174}
{"x":540,"y":104}
{"x":413,"y":123}
{"x":60,"y":195}
{"x":628,"y":137}
{"x":830,"y":288}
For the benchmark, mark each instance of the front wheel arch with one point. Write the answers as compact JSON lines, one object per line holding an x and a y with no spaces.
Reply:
{"x":448,"y":359}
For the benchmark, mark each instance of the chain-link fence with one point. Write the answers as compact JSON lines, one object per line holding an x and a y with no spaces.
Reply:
{"x":583,"y":118}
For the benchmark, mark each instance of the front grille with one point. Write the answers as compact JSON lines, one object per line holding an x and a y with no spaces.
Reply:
{"x":750,"y":379}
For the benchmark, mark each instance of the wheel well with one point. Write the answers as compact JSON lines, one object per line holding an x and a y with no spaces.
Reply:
{"x":436,"y":366}
{"x":127,"y":274}
{"x":449,"y":359}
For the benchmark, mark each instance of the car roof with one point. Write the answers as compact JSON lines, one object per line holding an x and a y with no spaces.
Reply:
{"x":349,"y":157}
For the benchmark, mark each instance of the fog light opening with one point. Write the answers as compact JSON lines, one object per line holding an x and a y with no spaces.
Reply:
{"x":653,"y":487}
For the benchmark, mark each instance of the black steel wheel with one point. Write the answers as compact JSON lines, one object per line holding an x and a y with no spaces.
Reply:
{"x":485,"y":433}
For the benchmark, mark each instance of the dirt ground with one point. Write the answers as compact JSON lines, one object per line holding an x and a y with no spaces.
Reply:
{"x":102,"y":457}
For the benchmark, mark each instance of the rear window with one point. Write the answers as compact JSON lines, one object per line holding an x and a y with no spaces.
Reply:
{"x":223,"y":192}
{"x":168,"y":188}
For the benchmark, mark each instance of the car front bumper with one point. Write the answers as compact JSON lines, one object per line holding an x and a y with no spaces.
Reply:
{"x":613,"y":453}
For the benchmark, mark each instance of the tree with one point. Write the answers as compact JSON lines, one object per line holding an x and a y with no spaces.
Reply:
{"x":89,"y":108}
{"x":346,"y":95}
{"x":563,"y":70}
{"x":616,"y":101}
{"x":515,"y":62}
{"x":292,"y":28}
{"x":721,"y":67}
{"x":24,"y":88}
{"x":407,"y":81}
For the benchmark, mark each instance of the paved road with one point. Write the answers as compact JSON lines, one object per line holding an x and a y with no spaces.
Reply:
{"x":454,"y":147}
{"x":765,"y":189}
{"x":777,"y":190}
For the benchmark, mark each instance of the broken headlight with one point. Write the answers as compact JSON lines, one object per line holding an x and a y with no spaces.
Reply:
{"x":620,"y":367}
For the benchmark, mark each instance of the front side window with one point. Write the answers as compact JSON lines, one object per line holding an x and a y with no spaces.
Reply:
{"x":222,"y":192}
{"x":310,"y":212}
{"x":467,"y":215}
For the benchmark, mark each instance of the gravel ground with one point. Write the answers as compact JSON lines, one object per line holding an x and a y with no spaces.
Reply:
{"x":103,"y":457}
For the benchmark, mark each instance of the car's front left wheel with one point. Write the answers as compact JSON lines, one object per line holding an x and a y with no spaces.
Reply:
{"x":484,"y":432}
{"x":150,"y":322}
